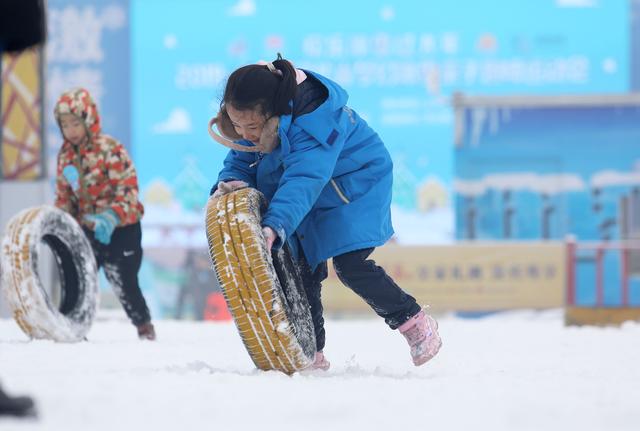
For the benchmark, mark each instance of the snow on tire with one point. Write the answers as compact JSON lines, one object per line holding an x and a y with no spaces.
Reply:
{"x":32,"y":308}
{"x":265,"y":295}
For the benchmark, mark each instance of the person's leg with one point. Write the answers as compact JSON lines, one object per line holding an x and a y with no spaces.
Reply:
{"x":399,"y":309}
{"x":312,"y":281}
{"x":121,"y":265}
{"x":372,"y":284}
{"x":99,"y":249}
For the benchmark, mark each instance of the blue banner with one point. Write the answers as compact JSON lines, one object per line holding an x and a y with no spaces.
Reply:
{"x":88,"y":46}
{"x":400,"y":62}
{"x":635,"y":45}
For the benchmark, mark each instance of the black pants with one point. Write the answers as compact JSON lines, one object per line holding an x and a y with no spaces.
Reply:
{"x":367,"y":280}
{"x":121,"y":261}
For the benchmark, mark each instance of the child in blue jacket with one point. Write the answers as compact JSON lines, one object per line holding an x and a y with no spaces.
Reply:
{"x":327,"y":176}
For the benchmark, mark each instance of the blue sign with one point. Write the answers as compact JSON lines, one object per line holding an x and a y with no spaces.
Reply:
{"x":635,"y":45}
{"x":88,"y":46}
{"x":400,"y":62}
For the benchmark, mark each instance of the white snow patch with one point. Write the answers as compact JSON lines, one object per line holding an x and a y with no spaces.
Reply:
{"x":514,"y":371}
{"x":283,"y":328}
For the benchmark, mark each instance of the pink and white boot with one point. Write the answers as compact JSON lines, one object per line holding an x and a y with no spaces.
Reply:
{"x":320,"y":362}
{"x":421,"y":332}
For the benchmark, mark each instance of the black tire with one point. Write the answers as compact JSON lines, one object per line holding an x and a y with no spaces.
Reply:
{"x":264,"y":294}
{"x":32,"y":308}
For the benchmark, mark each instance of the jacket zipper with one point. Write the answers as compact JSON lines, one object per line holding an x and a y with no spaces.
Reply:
{"x":337,"y":189}
{"x":259,"y":157}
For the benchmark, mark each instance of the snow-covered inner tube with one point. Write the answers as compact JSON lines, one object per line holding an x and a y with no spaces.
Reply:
{"x":264,"y":291}
{"x":31,"y":304}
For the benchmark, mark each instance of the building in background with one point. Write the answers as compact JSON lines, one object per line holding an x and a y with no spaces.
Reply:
{"x":549,"y":167}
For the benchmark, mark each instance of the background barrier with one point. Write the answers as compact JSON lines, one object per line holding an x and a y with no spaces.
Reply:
{"x":603,"y":282}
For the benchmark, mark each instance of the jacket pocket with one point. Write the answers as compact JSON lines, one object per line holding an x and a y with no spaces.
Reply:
{"x":339,"y":191}
{"x":332,"y":196}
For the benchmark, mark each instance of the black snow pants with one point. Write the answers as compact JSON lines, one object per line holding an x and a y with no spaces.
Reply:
{"x":367,"y":280}
{"x":121,"y":260}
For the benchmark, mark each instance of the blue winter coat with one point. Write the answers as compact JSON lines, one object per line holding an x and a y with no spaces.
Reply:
{"x":329,"y":181}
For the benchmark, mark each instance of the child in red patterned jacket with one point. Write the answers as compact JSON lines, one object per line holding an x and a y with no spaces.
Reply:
{"x":96,"y":183}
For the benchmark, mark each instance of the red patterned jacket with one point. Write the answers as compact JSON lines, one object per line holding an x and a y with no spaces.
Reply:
{"x":107,"y":177}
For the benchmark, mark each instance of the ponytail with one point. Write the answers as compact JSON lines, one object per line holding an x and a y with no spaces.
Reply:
{"x":287,"y":88}
{"x":268,"y":87}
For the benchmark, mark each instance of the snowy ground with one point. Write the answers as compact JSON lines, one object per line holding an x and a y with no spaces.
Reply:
{"x":513,"y":371}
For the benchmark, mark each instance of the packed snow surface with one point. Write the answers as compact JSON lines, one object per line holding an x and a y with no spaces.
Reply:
{"x":510,"y":371}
